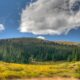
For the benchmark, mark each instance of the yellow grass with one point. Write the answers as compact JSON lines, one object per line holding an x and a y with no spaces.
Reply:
{"x":55,"y":69}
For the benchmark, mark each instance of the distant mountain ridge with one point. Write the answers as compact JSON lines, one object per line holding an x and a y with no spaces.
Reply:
{"x":68,"y":43}
{"x":45,"y":40}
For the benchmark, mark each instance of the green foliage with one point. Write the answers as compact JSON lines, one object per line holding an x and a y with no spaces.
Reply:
{"x":30,"y":50}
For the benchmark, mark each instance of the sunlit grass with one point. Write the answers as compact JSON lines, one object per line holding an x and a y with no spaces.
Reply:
{"x":62,"y":69}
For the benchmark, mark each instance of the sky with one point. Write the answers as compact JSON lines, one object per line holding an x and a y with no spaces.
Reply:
{"x":45,"y":19}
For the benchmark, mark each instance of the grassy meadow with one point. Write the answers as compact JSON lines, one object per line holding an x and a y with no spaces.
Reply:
{"x":53,"y":69}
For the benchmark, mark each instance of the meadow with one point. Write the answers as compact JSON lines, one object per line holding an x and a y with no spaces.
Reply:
{"x":51,"y":69}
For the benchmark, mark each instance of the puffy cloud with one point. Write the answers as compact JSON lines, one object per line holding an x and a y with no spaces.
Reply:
{"x":51,"y":17}
{"x":41,"y":37}
{"x":2,"y":27}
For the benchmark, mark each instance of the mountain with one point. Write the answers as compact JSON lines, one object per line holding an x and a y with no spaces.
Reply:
{"x":68,"y":43}
{"x":27,"y":50}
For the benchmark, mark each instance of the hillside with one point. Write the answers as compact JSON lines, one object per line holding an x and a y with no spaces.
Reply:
{"x":68,"y":43}
{"x":28,"y":50}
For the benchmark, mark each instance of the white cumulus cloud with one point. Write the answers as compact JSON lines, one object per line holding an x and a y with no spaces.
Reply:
{"x":41,"y":37}
{"x":2,"y":27}
{"x":51,"y":17}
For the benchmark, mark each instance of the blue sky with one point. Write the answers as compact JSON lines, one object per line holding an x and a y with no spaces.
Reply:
{"x":10,"y":16}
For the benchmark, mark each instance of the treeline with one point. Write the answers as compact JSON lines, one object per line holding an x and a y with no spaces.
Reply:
{"x":27,"y":50}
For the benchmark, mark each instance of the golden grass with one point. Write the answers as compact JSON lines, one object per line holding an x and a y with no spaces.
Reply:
{"x":58,"y":69}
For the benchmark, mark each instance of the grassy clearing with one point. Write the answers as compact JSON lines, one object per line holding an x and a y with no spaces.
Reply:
{"x":60,"y":69}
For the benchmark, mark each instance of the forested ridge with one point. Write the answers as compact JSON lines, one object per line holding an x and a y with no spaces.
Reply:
{"x":27,"y":50}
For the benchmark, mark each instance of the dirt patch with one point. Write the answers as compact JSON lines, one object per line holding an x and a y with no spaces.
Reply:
{"x":55,"y":78}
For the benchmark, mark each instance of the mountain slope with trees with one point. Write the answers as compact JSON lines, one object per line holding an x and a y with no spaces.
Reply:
{"x":27,"y":50}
